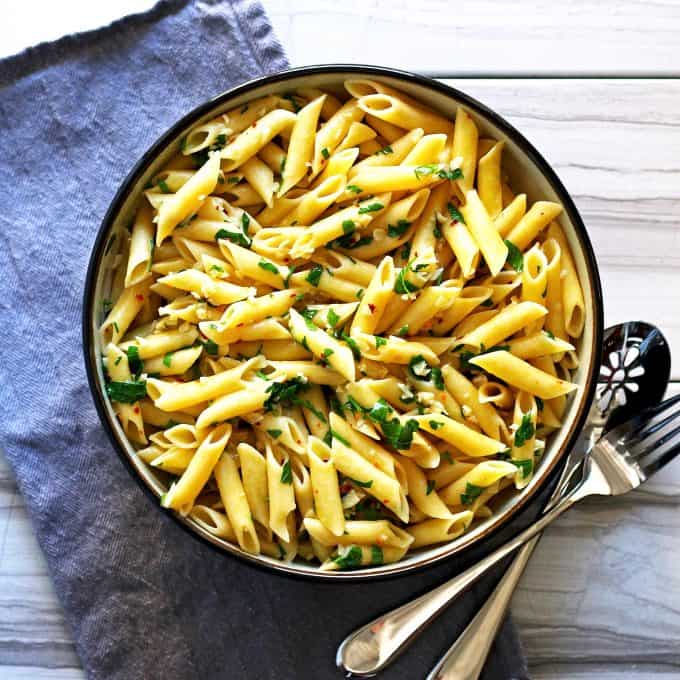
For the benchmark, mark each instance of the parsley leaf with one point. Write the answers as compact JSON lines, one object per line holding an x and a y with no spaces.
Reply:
{"x":126,"y":391}
{"x":525,"y":466}
{"x":515,"y":259}
{"x":325,"y":153}
{"x":286,"y":473}
{"x":386,"y":150}
{"x":282,"y":393}
{"x":539,"y":403}
{"x":348,"y":227}
{"x":472,"y":492}
{"x":371,"y":207}
{"x":351,"y":558}
{"x":525,"y":431}
{"x":363,"y":485}
{"x":402,"y":285}
{"x":234,"y":236}
{"x":395,"y":231}
{"x":210,"y":348}
{"x":354,"y":188}
{"x":377,"y":555}
{"x":435,"y":424}
{"x":268,"y":266}
{"x":455,"y":214}
{"x":135,"y":363}
{"x":314,"y":275}
{"x":430,"y":487}
{"x":379,"y":342}
{"x":340,"y":438}
{"x":167,"y":359}
{"x":332,"y":318}
{"x":274,"y":433}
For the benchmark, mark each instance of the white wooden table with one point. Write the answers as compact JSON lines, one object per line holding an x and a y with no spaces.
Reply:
{"x":596,"y":86}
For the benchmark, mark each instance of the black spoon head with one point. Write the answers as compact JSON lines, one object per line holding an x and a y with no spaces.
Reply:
{"x":636,"y":365}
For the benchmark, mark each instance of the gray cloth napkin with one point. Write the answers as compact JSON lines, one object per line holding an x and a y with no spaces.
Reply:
{"x":145,"y":599}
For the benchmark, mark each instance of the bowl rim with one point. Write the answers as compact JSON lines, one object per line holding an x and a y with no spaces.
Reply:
{"x":526,"y":147}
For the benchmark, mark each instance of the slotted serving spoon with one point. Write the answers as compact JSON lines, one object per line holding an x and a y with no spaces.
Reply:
{"x":635,"y":372}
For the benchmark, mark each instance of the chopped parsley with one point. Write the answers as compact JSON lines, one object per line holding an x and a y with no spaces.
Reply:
{"x":274,"y":433}
{"x":525,"y":431}
{"x":455,"y":214}
{"x":286,"y":473}
{"x":379,"y":342}
{"x":354,"y":188}
{"x":134,"y":362}
{"x":325,"y":153}
{"x":395,"y":231}
{"x":348,"y":227}
{"x":308,"y":313}
{"x":291,"y":98}
{"x":282,"y":393}
{"x":352,"y":345}
{"x":525,"y":466}
{"x":402,"y":285}
{"x":430,"y":487}
{"x":472,"y":492}
{"x":163,"y":186}
{"x":167,"y":360}
{"x":371,"y":207}
{"x":236,"y":237}
{"x":340,"y":438}
{"x":210,"y":347}
{"x":435,"y":424}
{"x":269,"y":267}
{"x":314,"y":275}
{"x":435,"y":169}
{"x":245,"y":222}
{"x":332,"y":318}
{"x":351,"y":558}
{"x":386,"y":150}
{"x":539,"y":403}
{"x":126,"y":391}
{"x":363,"y":485}
{"x":403,"y":331}
{"x":487,"y":303}
{"x":377,"y":555}
{"x":550,"y":334}
{"x":515,"y":259}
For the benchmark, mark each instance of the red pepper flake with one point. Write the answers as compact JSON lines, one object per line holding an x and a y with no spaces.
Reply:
{"x":136,"y":409}
{"x":346,"y":487}
{"x":139,"y":297}
{"x":377,"y":627}
{"x":238,"y":325}
{"x":371,"y":306}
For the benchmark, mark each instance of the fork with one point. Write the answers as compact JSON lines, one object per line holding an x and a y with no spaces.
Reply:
{"x":618,"y":463}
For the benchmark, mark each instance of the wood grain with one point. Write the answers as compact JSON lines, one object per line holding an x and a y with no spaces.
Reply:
{"x":484,"y":37}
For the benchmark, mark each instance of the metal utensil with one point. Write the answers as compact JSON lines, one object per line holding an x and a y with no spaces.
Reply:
{"x":634,"y":375}
{"x":375,"y":645}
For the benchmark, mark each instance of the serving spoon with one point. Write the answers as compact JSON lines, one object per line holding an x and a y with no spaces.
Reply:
{"x":634,"y":376}
{"x":635,"y":373}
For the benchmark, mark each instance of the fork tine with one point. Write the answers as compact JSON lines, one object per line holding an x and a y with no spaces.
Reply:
{"x":647,"y":446}
{"x":654,"y":466}
{"x":658,"y":425}
{"x":645,"y":420}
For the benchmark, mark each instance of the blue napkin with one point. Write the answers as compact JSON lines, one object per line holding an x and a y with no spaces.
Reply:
{"x":144,"y":599}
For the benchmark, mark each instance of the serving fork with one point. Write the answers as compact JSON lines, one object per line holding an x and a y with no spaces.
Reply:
{"x":619,"y":462}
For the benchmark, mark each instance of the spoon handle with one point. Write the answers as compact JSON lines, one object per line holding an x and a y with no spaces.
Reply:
{"x":466,"y":657}
{"x":375,"y":645}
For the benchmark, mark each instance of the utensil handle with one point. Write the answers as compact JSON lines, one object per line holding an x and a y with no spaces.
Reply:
{"x":466,"y":657}
{"x":374,"y":646}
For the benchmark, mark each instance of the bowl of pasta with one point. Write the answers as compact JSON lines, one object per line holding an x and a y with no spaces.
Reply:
{"x":342,"y":321}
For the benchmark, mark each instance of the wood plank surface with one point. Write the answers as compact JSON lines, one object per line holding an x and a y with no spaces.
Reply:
{"x":600,"y":597}
{"x":484,"y":37}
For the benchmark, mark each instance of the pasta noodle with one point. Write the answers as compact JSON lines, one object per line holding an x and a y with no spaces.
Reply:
{"x":335,"y":332}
